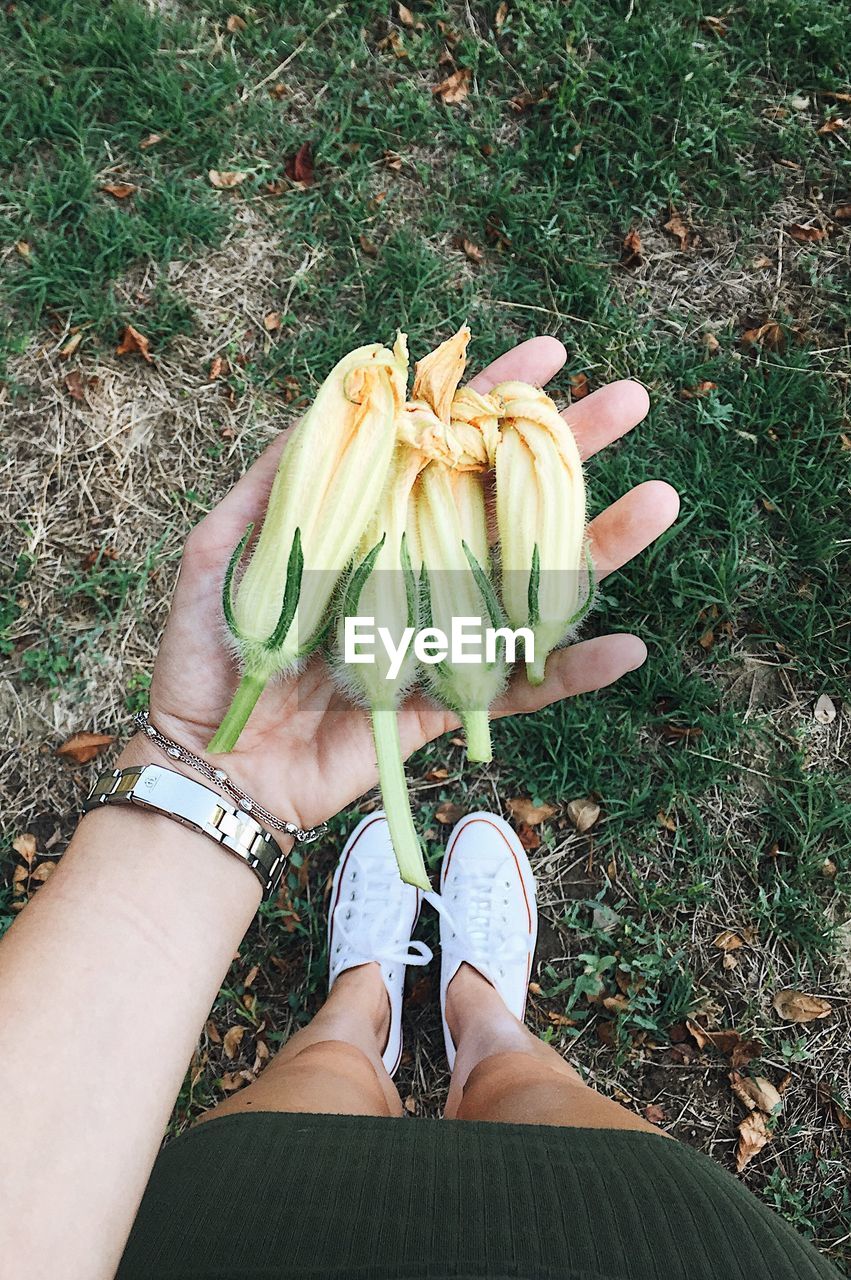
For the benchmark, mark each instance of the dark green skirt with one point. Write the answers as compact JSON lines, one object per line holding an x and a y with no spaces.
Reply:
{"x":251,"y":1197}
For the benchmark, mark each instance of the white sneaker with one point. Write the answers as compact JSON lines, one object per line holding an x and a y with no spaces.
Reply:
{"x":371,"y":917}
{"x":488,"y":916}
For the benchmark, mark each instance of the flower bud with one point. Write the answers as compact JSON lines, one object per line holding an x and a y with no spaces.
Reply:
{"x":328,"y":485}
{"x":546,"y":579}
{"x":453,"y":534}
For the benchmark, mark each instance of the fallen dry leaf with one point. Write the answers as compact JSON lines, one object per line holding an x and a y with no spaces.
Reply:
{"x":500,"y":15}
{"x":299,"y":167}
{"x":667,"y":820}
{"x":369,"y":247}
{"x":560,"y":1019}
{"x":97,"y":555}
{"x":654,"y":1113}
{"x":83,"y":747}
{"x":231,"y":1042}
{"x":278,"y":91}
{"x":753,"y":1136}
{"x":25,"y":845}
{"x":727,"y":940}
{"x":235,"y":23}
{"x":134,"y":343}
{"x":842,"y":213}
{"x":583,"y":813}
{"x":699,"y":390}
{"x":829,"y":869}
{"x":393,"y":40}
{"x":448,"y":813}
{"x":756,"y":1092}
{"x":834,"y":126}
{"x":121,"y":190}
{"x":213,"y":1033}
{"x":151,"y":141}
{"x":225,"y":179}
{"x":717,"y":26}
{"x":217,"y":364}
{"x":727,"y":1041}
{"x":768,"y":335}
{"x":43,"y":871}
{"x":407,"y":19}
{"x":71,"y":345}
{"x":713,"y":346}
{"x":454,"y":88}
{"x":74,"y":385}
{"x":825,"y":711}
{"x":579,"y":386}
{"x":233,"y":1080}
{"x":392,"y":160}
{"x":631,"y":250}
{"x":472,"y":251}
{"x":678,"y":229}
{"x":795,"y":1006}
{"x":528,"y":837}
{"x":272,"y":321}
{"x":522,"y":809}
{"x":805,"y":235}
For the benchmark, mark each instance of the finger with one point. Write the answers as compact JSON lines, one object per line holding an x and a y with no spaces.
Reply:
{"x":582,"y":668}
{"x":535,"y":361}
{"x":631,"y":524}
{"x":606,"y":415}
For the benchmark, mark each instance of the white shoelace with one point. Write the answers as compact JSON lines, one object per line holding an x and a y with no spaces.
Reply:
{"x":475,"y":935}
{"x":372,"y":903}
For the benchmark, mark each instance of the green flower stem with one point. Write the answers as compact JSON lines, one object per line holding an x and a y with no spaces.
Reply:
{"x":244,"y":700}
{"x":394,"y":793}
{"x":478,"y":733}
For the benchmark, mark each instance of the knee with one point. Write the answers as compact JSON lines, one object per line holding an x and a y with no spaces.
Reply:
{"x":516,"y":1080}
{"x":339,"y":1059}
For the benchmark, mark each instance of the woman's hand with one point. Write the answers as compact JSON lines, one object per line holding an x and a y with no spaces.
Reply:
{"x":306,"y":751}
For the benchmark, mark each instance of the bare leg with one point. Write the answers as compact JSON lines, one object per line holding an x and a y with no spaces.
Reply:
{"x":333,"y":1065}
{"x":504,"y":1073}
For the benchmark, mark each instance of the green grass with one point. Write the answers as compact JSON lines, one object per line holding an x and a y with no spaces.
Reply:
{"x":582,"y":121}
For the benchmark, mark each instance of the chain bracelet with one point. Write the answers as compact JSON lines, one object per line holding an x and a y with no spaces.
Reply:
{"x":176,"y":752}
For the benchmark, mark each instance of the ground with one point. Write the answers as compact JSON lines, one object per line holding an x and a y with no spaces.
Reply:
{"x":665,"y":188}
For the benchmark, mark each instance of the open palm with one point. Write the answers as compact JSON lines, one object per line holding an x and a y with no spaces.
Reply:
{"x":306,"y":751}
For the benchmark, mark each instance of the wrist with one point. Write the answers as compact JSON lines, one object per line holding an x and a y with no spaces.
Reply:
{"x":142,"y":750}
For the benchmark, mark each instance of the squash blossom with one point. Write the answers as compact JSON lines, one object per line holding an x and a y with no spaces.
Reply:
{"x":326,"y":490}
{"x":546,"y":575}
{"x":385,"y":585}
{"x":453,"y":533}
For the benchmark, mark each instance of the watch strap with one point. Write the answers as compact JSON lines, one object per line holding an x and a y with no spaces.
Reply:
{"x":190,"y":803}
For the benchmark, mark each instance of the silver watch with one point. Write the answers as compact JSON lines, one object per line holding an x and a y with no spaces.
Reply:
{"x":194,"y":805}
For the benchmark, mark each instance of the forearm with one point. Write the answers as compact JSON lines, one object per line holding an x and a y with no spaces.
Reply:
{"x":105,"y":981}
